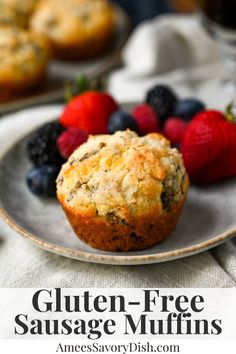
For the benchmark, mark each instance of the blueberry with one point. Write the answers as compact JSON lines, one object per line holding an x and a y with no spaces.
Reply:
{"x":41,"y":180}
{"x":121,"y":120}
{"x":188,"y":108}
{"x":163,"y":100}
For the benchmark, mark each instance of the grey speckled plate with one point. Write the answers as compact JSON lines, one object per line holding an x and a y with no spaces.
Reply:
{"x":208,"y":219}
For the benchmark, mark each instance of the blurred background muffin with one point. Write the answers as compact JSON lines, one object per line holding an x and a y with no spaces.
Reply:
{"x":184,"y":5}
{"x":25,"y":7}
{"x":9,"y":17}
{"x":20,"y":9}
{"x":23,"y":57}
{"x":75,"y":28}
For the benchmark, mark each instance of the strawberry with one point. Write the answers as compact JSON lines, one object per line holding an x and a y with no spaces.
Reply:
{"x":174,"y":130}
{"x":89,"y":112}
{"x":146,"y":118}
{"x":209,"y":148}
{"x":69,"y":140}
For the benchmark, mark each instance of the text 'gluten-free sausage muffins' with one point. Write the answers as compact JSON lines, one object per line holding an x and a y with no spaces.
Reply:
{"x":122,"y":192}
{"x":23,"y":61}
{"x":75,"y":28}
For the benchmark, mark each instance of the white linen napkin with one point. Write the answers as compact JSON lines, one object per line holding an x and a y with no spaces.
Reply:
{"x":171,"y":49}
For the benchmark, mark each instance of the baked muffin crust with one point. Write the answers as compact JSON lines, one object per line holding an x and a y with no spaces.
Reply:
{"x":23,"y":61}
{"x":132,"y":188}
{"x":25,"y":7}
{"x":8,"y":17}
{"x":16,"y":12}
{"x":75,"y":28}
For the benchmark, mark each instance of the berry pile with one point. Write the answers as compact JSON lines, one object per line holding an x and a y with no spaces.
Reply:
{"x":43,"y":153}
{"x":89,"y":112}
{"x":163,"y":100}
{"x":209,"y":148}
{"x":205,"y":138}
{"x":51,"y":145}
{"x":69,"y":140}
{"x":174,"y":114}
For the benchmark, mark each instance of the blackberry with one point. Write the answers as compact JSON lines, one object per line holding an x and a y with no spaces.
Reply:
{"x":42,"y":146}
{"x":163,"y":100}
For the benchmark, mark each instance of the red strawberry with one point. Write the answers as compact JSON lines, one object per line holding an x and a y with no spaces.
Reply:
{"x":146,"y":118}
{"x":69,"y":140}
{"x":209,"y":147}
{"x":89,"y":112}
{"x":174,"y":129}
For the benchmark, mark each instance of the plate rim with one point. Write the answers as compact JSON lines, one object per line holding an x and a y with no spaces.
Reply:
{"x":118,"y":259}
{"x":110,"y":258}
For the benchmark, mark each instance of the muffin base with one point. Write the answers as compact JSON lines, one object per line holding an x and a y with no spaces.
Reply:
{"x":83,"y":50}
{"x":132,"y":235}
{"x":9,"y":90}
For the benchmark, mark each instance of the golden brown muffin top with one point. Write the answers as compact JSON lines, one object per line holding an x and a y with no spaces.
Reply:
{"x":20,"y":6}
{"x":21,"y":53}
{"x":67,"y":21}
{"x":122,"y":175}
{"x":9,"y":17}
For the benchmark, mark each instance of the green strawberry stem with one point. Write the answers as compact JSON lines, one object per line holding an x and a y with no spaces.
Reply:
{"x":82,"y":84}
{"x":231,"y":112}
{"x":68,"y":92}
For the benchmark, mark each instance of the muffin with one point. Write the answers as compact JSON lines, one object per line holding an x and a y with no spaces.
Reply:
{"x":23,"y":58}
{"x":18,"y":10}
{"x":184,"y":5}
{"x":24,"y":7}
{"x":75,"y":28}
{"x":8,"y":17}
{"x":122,"y":192}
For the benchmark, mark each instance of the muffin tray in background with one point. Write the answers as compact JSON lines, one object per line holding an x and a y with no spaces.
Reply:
{"x":208,"y":218}
{"x":60,"y":72}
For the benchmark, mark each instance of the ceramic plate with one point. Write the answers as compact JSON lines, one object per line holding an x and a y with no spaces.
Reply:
{"x":208,"y":218}
{"x":61,"y":71}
